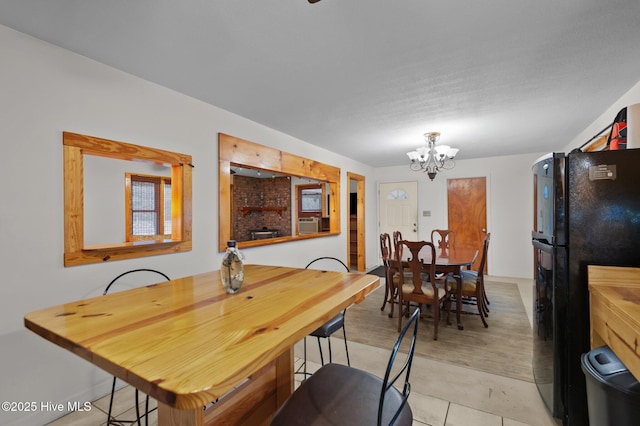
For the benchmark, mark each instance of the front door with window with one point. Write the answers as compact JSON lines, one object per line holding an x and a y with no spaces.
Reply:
{"x":399,"y":209}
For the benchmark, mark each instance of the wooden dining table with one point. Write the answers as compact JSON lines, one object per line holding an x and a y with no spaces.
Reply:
{"x":449,"y":261}
{"x":190,"y":345}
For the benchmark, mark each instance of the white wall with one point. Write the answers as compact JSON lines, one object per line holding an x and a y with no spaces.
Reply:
{"x":509,"y":195}
{"x":606,"y":118}
{"x":509,"y":206}
{"x":47,"y":90}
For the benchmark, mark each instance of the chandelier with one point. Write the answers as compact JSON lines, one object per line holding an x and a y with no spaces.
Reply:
{"x":431,"y":158}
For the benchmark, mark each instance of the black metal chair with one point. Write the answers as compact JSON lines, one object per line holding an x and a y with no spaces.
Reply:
{"x":110,"y":419}
{"x":341,"y":395}
{"x":334,"y":324}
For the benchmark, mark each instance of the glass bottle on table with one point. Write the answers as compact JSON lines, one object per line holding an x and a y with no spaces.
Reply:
{"x":232,"y":269}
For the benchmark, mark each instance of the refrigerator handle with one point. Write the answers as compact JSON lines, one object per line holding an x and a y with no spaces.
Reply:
{"x":542,"y":246}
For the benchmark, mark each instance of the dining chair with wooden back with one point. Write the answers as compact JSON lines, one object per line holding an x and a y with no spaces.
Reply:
{"x":473,"y":291}
{"x":397,"y":236}
{"x":395,"y":270}
{"x":340,"y":395}
{"x":389,"y":271}
{"x":443,"y":238}
{"x":326,"y":330}
{"x":141,"y":277}
{"x":415,"y":288}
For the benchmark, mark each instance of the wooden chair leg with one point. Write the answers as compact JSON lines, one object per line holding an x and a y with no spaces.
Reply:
{"x":386,"y":290}
{"x":436,"y":320}
{"x":400,"y":314}
{"x":392,"y":301}
{"x":480,"y":305}
{"x":448,"y":308}
{"x":485,"y":307}
{"x":481,"y":313}
{"x":485,"y":301}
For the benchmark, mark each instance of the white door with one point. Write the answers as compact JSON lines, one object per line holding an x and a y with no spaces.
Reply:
{"x":399,"y":209}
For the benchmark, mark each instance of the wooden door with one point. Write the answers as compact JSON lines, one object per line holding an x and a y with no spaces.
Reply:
{"x":399,"y":209}
{"x":467,"y":211}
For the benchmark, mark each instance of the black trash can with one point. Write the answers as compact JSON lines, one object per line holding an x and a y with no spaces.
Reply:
{"x":613,"y":394}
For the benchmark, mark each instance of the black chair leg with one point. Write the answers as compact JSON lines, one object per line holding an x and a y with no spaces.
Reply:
{"x":138,"y":409}
{"x":113,"y":389}
{"x":303,"y":367}
{"x":320,"y":349}
{"x":112,"y":421}
{"x":346,"y":348}
{"x":146,"y":410}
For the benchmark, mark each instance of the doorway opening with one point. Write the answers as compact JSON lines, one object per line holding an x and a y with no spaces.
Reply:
{"x":355,"y":224}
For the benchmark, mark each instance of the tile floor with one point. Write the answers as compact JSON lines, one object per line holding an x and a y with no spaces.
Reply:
{"x":442,"y":394}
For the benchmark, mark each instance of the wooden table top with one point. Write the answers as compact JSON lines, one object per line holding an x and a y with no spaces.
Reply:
{"x":453,"y":256}
{"x":186,"y":342}
{"x":446,"y":257}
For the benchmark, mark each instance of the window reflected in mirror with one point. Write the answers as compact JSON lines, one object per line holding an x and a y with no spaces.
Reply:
{"x":148,"y":207}
{"x":135,"y":196}
{"x":123,"y":201}
{"x":310,"y":200}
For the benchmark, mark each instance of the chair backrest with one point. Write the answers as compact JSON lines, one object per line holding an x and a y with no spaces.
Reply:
{"x":483,"y":259}
{"x":385,"y":248}
{"x":397,"y":236}
{"x":328,"y":263}
{"x":139,"y":282}
{"x":443,"y":238}
{"x":415,"y":264}
{"x":389,"y":380}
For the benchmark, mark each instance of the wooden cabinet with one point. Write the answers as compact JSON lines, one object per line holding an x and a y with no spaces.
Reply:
{"x":614,"y":295}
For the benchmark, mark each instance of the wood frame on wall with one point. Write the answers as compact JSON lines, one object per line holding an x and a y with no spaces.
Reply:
{"x":233,"y":150}
{"x":75,"y":252}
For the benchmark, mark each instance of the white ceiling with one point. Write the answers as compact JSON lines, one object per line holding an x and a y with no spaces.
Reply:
{"x":366,"y":78}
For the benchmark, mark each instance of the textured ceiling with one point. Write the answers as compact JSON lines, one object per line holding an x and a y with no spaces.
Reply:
{"x":366,"y":78}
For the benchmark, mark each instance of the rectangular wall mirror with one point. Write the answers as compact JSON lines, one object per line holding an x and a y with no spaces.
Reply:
{"x":123,"y":201}
{"x":267,"y":196}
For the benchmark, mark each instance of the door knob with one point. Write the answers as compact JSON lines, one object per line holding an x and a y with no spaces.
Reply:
{"x":484,"y":230}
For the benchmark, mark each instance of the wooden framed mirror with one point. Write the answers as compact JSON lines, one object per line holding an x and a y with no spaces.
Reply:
{"x":77,"y":249}
{"x":235,"y":153}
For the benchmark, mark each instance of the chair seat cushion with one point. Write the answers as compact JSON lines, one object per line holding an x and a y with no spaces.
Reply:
{"x":427,"y":290}
{"x":341,"y":395}
{"x":469,"y":279}
{"x":468,"y":286}
{"x":469,"y":275}
{"x":330,"y":327}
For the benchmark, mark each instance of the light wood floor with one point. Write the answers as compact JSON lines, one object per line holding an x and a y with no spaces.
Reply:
{"x":503,"y":348}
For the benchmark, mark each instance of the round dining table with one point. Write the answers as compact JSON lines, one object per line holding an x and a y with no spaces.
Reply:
{"x":449,"y":260}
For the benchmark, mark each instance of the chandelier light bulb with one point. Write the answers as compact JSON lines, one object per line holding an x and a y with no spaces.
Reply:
{"x":431,"y":158}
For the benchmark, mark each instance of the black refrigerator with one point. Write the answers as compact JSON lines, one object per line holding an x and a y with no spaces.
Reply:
{"x":587,"y":211}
